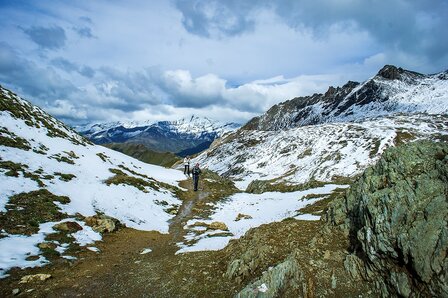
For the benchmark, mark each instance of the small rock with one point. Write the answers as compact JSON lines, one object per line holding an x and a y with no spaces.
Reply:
{"x":68,"y":226}
{"x":35,"y":277}
{"x":101,"y":223}
{"x":145,"y":251}
{"x":16,"y":292}
{"x":217,"y":225}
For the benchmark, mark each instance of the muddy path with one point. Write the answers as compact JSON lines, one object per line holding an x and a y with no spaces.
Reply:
{"x":121,"y":270}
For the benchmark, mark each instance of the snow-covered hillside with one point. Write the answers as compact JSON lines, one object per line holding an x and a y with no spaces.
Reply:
{"x":392,"y":91}
{"x":321,"y":152}
{"x":183,"y":134}
{"x":37,"y":152}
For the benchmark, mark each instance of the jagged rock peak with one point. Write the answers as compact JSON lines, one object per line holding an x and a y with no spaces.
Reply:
{"x":392,"y":91}
{"x":391,"y":72}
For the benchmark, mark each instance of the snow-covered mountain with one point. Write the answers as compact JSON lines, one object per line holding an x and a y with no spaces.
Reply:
{"x":322,"y":152}
{"x":49,"y":174}
{"x":393,"y":90}
{"x":190,"y":135}
{"x":325,"y":137}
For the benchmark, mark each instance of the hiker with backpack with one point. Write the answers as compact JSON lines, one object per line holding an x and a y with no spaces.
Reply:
{"x":187,"y":165}
{"x":196,"y":172}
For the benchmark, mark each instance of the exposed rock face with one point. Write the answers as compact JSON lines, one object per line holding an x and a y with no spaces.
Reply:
{"x":397,"y":215}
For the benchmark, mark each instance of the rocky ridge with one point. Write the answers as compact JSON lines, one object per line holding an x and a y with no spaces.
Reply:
{"x":393,"y":90}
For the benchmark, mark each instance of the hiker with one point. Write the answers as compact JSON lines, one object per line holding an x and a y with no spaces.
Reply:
{"x":196,"y":172}
{"x":187,"y":165}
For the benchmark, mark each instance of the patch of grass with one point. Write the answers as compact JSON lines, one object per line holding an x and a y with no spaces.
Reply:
{"x":307,"y":152}
{"x":71,"y":154}
{"x":403,"y":137}
{"x":122,"y":178}
{"x":61,"y":158}
{"x":10,"y":139}
{"x":375,"y":148}
{"x":319,"y":207}
{"x":261,"y":186}
{"x":14,"y":169}
{"x":142,"y":153}
{"x":41,"y":150}
{"x":25,"y":211}
{"x":64,"y":177}
{"x":103,"y":157}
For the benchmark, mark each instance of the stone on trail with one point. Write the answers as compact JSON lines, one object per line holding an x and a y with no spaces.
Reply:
{"x":101,"y":223}
{"x":34,"y":277}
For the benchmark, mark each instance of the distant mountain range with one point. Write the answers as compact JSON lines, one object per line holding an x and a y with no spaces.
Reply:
{"x":184,"y":137}
{"x":326,"y":137}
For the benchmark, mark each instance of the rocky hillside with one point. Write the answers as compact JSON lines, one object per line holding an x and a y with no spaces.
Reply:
{"x":185,"y":136}
{"x":53,"y":183}
{"x":396,"y":216}
{"x":384,"y":237}
{"x":323,"y":152}
{"x":393,"y":90}
{"x":333,"y":136}
{"x":142,"y":153}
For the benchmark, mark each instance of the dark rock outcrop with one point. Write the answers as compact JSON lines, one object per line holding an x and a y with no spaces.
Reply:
{"x":396,"y":215}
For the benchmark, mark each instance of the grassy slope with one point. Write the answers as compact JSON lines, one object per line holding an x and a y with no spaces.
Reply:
{"x":144,"y":154}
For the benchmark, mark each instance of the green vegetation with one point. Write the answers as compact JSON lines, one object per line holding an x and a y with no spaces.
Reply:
{"x":10,"y":139}
{"x":64,"y":177}
{"x":122,"y":178}
{"x":41,"y":150}
{"x":25,"y":211}
{"x":261,"y":186}
{"x":403,"y":137}
{"x":142,"y":153}
{"x":103,"y":157}
{"x":320,"y":207}
{"x":13,"y":170}
{"x":61,"y":158}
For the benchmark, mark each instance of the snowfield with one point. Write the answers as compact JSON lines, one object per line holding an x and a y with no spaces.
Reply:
{"x":69,"y":166}
{"x":87,"y":191}
{"x":258,"y":209}
{"x":321,"y":152}
{"x":16,"y":248}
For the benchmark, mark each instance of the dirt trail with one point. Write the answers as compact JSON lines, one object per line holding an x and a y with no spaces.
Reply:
{"x":120,"y":270}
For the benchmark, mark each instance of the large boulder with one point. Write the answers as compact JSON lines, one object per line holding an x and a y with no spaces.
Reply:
{"x":396,"y":215}
{"x":102,"y":223}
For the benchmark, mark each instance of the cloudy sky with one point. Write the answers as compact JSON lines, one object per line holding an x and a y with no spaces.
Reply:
{"x":95,"y":61}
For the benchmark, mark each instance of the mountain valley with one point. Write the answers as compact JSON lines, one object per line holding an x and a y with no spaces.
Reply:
{"x":330,"y":195}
